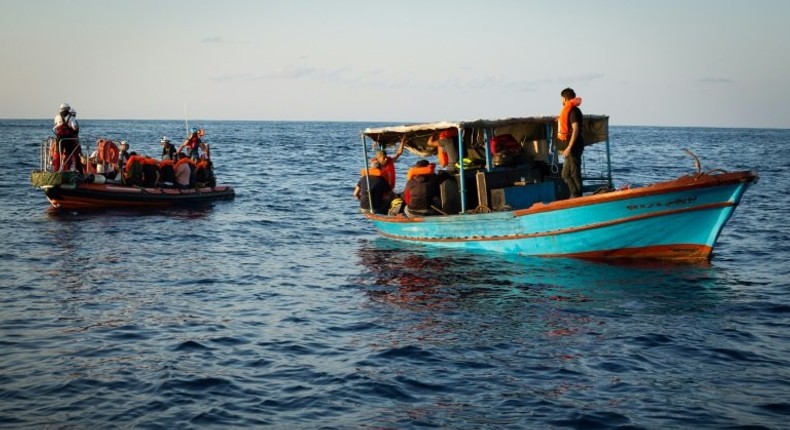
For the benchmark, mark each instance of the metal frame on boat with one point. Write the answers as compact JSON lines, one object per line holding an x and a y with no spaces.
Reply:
{"x":524,"y":207}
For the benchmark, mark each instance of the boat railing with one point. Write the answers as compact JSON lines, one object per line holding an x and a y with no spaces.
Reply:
{"x":596,"y":169}
{"x":51,"y":146}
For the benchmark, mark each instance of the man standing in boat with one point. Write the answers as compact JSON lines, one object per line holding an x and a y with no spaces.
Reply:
{"x":569,"y":133}
{"x":67,"y":131}
{"x":123,"y":156}
{"x":193,"y":145}
{"x":168,"y":149}
{"x":446,"y":142}
{"x":388,"y":163}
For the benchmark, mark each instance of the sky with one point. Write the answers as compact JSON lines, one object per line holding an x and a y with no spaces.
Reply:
{"x":709,"y":63}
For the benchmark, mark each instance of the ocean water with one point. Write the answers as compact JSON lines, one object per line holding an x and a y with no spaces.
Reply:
{"x":283,"y":309}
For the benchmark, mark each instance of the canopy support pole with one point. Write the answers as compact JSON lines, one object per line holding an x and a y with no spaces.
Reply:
{"x":461,"y":168}
{"x":608,"y":161}
{"x":487,"y":146}
{"x":367,"y":172}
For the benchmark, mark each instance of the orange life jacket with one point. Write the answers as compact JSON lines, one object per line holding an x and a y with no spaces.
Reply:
{"x":448,"y":133}
{"x":373,"y":172}
{"x":150,"y":161}
{"x":54,"y":153}
{"x":443,"y":158}
{"x":133,"y":160}
{"x":194,"y":142}
{"x":563,"y":127}
{"x":416,"y":171}
{"x":182,"y":161}
{"x":388,"y":171}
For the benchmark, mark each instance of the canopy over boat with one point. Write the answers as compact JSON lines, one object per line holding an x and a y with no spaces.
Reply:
{"x":595,"y":130}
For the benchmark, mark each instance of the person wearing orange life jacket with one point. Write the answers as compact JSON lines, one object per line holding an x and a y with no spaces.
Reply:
{"x":204,"y":173}
{"x":380,"y":194}
{"x":183,"y":171}
{"x":446,"y":142}
{"x":569,"y":132}
{"x":388,"y":163}
{"x":150,"y":172}
{"x":422,"y":192}
{"x":167,"y":172}
{"x":67,"y":131}
{"x":194,"y":145}
{"x":133,"y":170}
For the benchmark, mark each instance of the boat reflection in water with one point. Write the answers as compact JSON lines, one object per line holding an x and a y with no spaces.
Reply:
{"x":495,"y":295}
{"x":198,"y":210}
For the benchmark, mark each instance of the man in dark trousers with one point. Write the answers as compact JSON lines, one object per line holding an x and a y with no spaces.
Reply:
{"x":569,"y":133}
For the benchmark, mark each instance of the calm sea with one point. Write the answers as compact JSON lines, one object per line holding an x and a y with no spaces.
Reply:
{"x":283,"y":308}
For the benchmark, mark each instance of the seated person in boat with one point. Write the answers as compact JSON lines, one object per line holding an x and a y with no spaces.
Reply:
{"x":204,"y":173}
{"x":150,"y":172}
{"x":422,"y":190}
{"x":133,"y":171}
{"x":167,"y":175}
{"x":184,"y":171}
{"x":381,"y":193}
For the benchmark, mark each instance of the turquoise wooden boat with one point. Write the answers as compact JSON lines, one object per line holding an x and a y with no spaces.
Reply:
{"x":523,"y":207}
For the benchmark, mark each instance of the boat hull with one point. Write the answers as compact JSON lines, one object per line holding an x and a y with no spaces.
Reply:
{"x":677,"y":220}
{"x":101,"y":196}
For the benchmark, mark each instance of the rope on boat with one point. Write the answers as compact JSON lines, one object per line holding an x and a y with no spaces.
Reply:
{"x":698,"y":166}
{"x":438,"y":210}
{"x":697,"y":163}
{"x":480,"y":209}
{"x":716,"y":171}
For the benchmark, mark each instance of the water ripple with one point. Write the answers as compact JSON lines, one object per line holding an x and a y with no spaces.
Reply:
{"x":282,"y":309}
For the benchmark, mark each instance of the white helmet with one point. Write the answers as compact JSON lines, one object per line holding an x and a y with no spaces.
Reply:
{"x":164,"y":139}
{"x":65,"y":107}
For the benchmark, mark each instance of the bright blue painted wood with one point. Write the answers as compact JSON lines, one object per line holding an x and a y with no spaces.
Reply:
{"x":591,"y":228}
